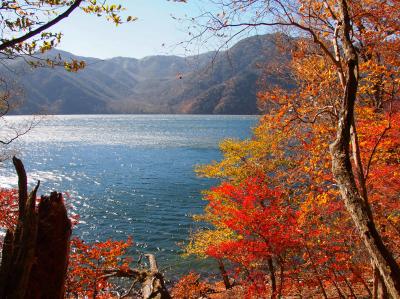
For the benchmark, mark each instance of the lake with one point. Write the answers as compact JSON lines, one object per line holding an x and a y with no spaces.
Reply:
{"x":127,"y":175}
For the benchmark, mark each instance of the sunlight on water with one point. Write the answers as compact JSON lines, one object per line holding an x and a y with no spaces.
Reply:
{"x":126,"y":175}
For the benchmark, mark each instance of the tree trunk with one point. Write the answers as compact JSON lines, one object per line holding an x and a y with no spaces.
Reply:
{"x":317,"y":276}
{"x":363,"y":282}
{"x":225,"y":276}
{"x":35,"y":253}
{"x":6,"y":261}
{"x":272,"y":277}
{"x":52,"y":249}
{"x":343,"y":174}
{"x":281,"y":276}
{"x":338,"y":288}
{"x":376,"y":282}
{"x":20,"y":252}
{"x":380,"y":290}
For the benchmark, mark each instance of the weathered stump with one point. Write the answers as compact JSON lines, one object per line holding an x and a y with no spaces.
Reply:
{"x":49,"y":271}
{"x":35,"y":254}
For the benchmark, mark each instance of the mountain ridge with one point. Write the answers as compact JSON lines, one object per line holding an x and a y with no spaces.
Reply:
{"x":208,"y":83}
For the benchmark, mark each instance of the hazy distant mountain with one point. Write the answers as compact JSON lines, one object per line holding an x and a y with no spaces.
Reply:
{"x":225,"y":83}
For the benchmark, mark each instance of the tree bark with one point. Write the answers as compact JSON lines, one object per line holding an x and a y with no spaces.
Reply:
{"x":343,"y":174}
{"x":225,"y":276}
{"x":272,"y":277}
{"x":35,"y":254}
{"x":153,"y":286}
{"x":281,"y":276}
{"x":151,"y":280}
{"x":376,"y":282}
{"x":6,"y":261}
{"x":47,"y":278}
{"x":363,"y":282}
{"x":317,"y":276}
{"x":22,"y":253}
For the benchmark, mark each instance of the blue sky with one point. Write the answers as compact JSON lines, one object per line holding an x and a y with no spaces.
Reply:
{"x":155,"y":32}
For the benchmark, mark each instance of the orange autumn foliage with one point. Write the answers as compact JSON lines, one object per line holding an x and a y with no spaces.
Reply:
{"x":88,"y":264}
{"x":190,"y":287}
{"x":291,"y":147}
{"x":8,"y":208}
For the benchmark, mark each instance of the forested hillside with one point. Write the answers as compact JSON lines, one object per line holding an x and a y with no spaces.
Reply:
{"x":210,"y":83}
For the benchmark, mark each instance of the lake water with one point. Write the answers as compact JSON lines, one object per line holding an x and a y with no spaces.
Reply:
{"x":127,"y":175}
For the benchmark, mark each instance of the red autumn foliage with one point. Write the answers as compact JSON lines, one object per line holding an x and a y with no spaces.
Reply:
{"x":281,"y":246}
{"x":190,"y":287}
{"x":260,"y":215}
{"x":87,"y":266}
{"x":8,"y":208}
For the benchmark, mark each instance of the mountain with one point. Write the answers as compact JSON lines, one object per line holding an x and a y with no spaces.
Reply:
{"x":210,"y":83}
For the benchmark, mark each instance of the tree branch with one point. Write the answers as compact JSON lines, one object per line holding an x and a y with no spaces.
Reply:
{"x":374,"y":150}
{"x":13,"y":42}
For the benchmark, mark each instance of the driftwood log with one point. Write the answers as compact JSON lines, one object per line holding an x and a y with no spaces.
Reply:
{"x":35,"y":254}
{"x":151,"y":280}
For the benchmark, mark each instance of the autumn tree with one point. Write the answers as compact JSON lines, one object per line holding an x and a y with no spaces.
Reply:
{"x":95,"y":269}
{"x":263,"y":222}
{"x":190,"y":287}
{"x":319,"y":251}
{"x":87,"y":266}
{"x":345,"y":61}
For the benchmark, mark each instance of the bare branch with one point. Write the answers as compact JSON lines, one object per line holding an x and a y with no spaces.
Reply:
{"x":387,"y":128}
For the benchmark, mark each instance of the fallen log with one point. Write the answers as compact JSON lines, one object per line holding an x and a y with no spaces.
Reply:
{"x":151,"y":280}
